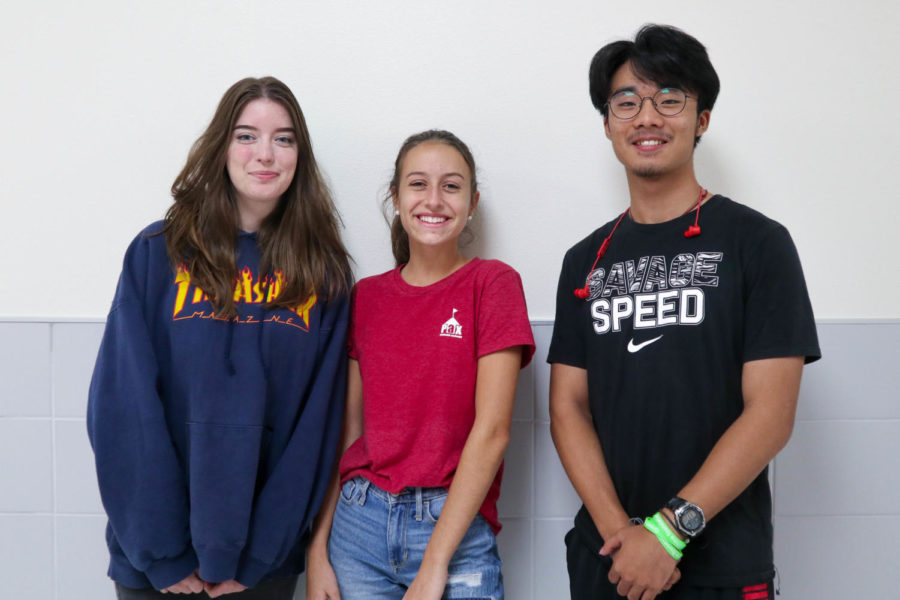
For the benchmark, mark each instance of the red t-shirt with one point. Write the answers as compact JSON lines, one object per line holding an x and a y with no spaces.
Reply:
{"x":418,"y":351}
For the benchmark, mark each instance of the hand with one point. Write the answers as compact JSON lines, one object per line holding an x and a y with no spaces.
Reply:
{"x":189,"y":585}
{"x":641,"y":566}
{"x":214,"y":590}
{"x":321,"y":582}
{"x":673,"y":579}
{"x":429,"y":584}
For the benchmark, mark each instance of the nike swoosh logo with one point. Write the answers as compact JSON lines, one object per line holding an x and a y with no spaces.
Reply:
{"x":632,"y":347}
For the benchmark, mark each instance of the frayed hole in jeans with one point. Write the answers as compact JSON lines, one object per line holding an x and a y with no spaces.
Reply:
{"x":466,"y":579}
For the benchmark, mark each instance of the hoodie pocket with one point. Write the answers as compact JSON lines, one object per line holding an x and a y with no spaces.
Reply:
{"x":224,"y":460}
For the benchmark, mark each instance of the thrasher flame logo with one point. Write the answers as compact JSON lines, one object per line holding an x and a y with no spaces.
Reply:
{"x":247,"y":290}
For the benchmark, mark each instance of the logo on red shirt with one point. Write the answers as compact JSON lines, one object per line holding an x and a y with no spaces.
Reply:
{"x":451,"y":327}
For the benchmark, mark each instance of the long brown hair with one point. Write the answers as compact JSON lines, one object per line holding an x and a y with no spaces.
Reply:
{"x":399,"y":237}
{"x":300,"y":238}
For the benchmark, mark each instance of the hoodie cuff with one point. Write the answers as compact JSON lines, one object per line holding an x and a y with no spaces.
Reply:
{"x":218,"y":565}
{"x":252,"y":571}
{"x":163,"y":573}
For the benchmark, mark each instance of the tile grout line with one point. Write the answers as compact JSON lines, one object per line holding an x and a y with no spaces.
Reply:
{"x":772,"y":467}
{"x":54,"y":585}
{"x":533,"y":483}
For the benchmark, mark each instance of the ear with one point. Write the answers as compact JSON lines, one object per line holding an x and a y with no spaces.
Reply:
{"x":702,"y":122}
{"x":474,"y":203}
{"x":606,"y":127}
{"x":395,"y":200}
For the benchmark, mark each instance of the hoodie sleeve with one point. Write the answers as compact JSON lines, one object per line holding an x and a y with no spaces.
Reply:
{"x":142,"y":484}
{"x":293,"y":493}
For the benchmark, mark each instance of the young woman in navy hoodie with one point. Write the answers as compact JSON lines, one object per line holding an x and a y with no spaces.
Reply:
{"x":216,"y":401}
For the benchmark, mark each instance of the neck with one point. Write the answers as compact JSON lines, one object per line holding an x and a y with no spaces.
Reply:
{"x":252,"y":214}
{"x":657,"y":200}
{"x":428,"y":265}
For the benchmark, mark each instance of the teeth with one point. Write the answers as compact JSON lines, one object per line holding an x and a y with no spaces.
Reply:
{"x":649,"y":143}
{"x":433,"y":219}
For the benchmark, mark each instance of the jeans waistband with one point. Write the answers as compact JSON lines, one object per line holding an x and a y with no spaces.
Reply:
{"x":409,"y":494}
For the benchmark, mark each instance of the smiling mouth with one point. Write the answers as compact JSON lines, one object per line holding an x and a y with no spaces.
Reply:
{"x":649,"y":143}
{"x":431,"y":220}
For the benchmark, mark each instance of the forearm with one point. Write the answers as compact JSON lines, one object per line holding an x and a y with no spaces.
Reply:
{"x":322,"y":523}
{"x":580,"y":451}
{"x":482,"y":454}
{"x":351,"y":430}
{"x":478,"y":465}
{"x":771,"y":388}
{"x":735,"y":461}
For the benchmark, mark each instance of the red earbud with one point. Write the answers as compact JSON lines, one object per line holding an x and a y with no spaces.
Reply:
{"x":692,"y":231}
{"x":585,"y":291}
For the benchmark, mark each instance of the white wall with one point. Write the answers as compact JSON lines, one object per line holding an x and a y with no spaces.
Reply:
{"x":101,"y":100}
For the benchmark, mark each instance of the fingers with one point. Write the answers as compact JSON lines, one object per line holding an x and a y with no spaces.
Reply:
{"x":648,"y":595}
{"x":189,"y":585}
{"x":613,"y":576}
{"x":214,"y":590}
{"x":611,"y":545}
{"x":673,"y":579}
{"x":324,"y":594}
{"x":194,"y":584}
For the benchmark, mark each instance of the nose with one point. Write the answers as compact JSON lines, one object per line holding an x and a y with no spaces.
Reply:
{"x":264,"y":153}
{"x":648,"y":115}
{"x":433,"y":198}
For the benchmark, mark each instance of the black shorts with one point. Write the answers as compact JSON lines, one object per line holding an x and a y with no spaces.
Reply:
{"x":588,"y":580}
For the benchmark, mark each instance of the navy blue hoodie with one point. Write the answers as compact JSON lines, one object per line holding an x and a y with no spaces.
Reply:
{"x":214,"y":439}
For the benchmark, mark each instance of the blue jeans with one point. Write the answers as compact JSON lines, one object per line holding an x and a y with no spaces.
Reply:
{"x":378,"y":541}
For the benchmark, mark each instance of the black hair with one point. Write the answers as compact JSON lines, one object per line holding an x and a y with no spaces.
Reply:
{"x":662,"y":54}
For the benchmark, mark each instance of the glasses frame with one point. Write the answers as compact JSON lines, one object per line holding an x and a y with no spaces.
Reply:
{"x":652,"y":101}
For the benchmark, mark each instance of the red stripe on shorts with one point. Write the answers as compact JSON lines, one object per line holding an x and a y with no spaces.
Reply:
{"x":756,"y":592}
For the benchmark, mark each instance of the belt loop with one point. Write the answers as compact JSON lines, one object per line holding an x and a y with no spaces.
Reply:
{"x":418,"y":504}
{"x":363,"y":488}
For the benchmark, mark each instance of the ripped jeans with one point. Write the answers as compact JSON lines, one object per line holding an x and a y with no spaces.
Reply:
{"x":378,"y":540}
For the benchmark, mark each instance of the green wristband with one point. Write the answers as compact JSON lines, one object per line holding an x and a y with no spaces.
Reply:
{"x":672,"y":550}
{"x":653,"y":527}
{"x":667,"y":531}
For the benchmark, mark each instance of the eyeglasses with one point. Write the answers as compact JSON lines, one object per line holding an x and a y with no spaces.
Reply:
{"x":667,"y":101}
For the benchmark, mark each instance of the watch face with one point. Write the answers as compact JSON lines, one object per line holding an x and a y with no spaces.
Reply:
{"x":691,"y":519}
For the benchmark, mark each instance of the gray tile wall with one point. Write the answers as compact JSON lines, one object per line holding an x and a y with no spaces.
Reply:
{"x":836,"y":485}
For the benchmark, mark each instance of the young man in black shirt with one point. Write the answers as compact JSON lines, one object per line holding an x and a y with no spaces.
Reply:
{"x":682,"y":327}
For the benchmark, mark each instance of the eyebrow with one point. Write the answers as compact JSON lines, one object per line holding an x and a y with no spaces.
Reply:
{"x":421,"y":173}
{"x":633,"y":89}
{"x":627,"y":88}
{"x":251,"y":127}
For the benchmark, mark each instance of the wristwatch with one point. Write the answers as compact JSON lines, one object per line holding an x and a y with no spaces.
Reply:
{"x":689,"y":518}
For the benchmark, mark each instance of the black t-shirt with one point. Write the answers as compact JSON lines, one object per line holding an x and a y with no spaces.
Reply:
{"x":663,"y":335}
